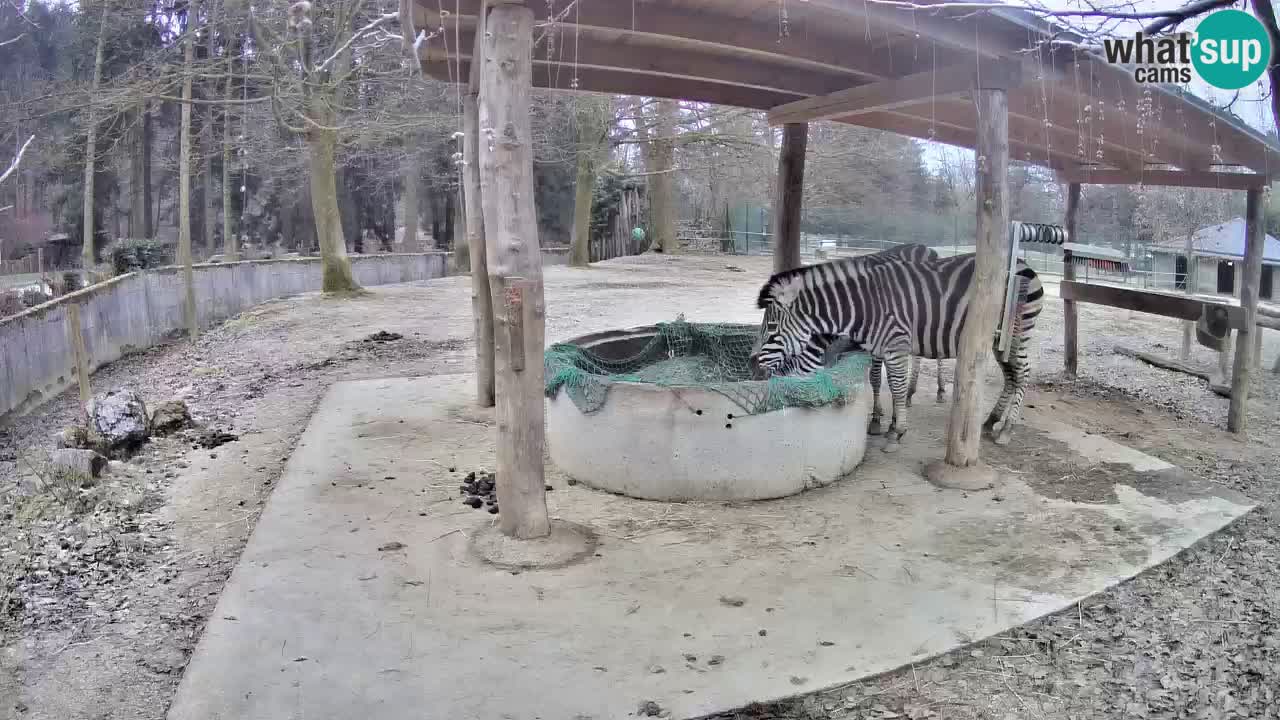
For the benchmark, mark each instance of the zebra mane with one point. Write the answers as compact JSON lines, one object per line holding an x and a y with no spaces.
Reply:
{"x":782,"y":288}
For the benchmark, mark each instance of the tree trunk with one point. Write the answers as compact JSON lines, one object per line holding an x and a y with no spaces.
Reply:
{"x":584,"y":187}
{"x":515,"y":268}
{"x":148,"y":226}
{"x":230,"y":248}
{"x":1251,"y":277}
{"x":137,"y":180}
{"x":662,"y":202}
{"x":87,"y":256}
{"x":789,"y":197}
{"x":985,"y":299}
{"x":592,"y":132}
{"x":206,"y":151}
{"x":335,"y":266}
{"x":1070,"y":313}
{"x":184,"y":186}
{"x":481,"y":299}
{"x":446,"y":240}
{"x":412,"y":171}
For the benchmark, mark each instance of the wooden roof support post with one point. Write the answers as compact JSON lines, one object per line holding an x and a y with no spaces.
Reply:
{"x":1242,"y":373}
{"x":515,"y":266}
{"x":1070,"y":319}
{"x":789,"y":198}
{"x":961,"y":467}
{"x":481,"y":299}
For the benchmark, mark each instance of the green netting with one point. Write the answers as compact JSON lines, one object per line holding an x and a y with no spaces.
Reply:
{"x":709,"y":356}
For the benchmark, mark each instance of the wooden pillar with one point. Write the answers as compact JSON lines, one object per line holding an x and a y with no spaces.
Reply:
{"x":481,"y":297}
{"x":515,"y":266}
{"x":986,"y":297}
{"x":1070,"y":344}
{"x":789,"y":198}
{"x":1188,"y":326}
{"x":1251,"y":278}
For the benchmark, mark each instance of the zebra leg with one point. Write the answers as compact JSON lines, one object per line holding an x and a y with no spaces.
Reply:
{"x":1019,"y":371}
{"x":942,"y":386}
{"x":897,"y":367}
{"x":997,"y":414}
{"x":915,"y":375}
{"x":874,"y":428}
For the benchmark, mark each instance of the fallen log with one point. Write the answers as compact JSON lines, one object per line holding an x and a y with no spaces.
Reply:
{"x":1217,"y":384}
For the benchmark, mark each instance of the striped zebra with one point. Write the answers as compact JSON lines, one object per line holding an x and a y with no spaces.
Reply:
{"x":892,"y":309}
{"x":909,"y":252}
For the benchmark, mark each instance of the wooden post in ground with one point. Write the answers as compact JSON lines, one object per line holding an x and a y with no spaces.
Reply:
{"x":80,"y":356}
{"x":515,"y":266}
{"x":789,"y":198}
{"x":1251,"y":278}
{"x":961,"y":467}
{"x":1188,"y":326}
{"x":481,"y":297}
{"x":1070,"y":312}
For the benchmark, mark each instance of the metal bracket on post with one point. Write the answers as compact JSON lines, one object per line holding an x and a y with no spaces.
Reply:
{"x":1011,"y":282}
{"x":513,"y":292}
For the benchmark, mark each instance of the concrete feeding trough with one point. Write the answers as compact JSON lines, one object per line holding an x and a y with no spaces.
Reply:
{"x":674,"y":438}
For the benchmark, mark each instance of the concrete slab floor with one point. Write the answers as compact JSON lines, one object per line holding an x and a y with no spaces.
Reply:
{"x":359,"y":596}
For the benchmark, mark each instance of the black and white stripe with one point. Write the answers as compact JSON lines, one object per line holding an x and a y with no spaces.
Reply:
{"x":893,"y":309}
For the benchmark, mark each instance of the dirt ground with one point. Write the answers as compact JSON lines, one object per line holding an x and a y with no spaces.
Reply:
{"x":105,"y":591}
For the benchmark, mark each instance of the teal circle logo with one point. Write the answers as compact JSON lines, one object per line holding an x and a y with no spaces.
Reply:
{"x":1232,"y":49}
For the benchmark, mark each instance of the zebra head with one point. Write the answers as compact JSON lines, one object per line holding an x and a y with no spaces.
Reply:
{"x":788,"y":349}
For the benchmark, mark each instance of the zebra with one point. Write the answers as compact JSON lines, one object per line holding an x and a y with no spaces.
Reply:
{"x":893,"y":309}
{"x":909,"y":252}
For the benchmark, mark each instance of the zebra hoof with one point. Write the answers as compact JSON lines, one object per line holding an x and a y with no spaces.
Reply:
{"x":942,"y":397}
{"x":891,"y":446}
{"x":874,"y":428}
{"x":1003,"y":438}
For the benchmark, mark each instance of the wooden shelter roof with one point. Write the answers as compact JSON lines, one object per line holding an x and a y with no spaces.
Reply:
{"x":1068,"y":109}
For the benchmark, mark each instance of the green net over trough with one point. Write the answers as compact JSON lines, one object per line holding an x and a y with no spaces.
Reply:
{"x":707,"y":356}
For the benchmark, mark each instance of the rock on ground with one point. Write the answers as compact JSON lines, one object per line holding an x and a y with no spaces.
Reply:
{"x":118,"y":420}
{"x":169,"y":417}
{"x":85,"y":462}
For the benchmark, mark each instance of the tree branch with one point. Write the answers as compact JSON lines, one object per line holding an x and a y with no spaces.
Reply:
{"x":1267,"y":14}
{"x":17,"y":160}
{"x":357,"y":35}
{"x":1185,"y":12}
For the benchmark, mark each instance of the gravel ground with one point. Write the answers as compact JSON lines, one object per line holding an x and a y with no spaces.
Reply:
{"x":108,"y":588}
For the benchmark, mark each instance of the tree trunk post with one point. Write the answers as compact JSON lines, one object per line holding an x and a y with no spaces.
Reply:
{"x":481,"y":298}
{"x":515,"y":266}
{"x":184,"y":192}
{"x":1070,"y":313}
{"x":1188,"y":326}
{"x":789,"y":198}
{"x":80,"y":356}
{"x":87,"y":255}
{"x":985,"y":301}
{"x":1251,"y":278}
{"x":334,"y":264}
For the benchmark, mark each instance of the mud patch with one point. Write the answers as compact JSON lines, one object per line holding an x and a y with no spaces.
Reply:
{"x":1054,"y":470}
{"x":1043,"y":552}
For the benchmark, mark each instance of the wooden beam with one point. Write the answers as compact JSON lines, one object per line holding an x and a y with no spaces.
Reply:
{"x":515,"y":267}
{"x":1177,"y":366}
{"x":726,"y":36}
{"x":693,"y":63}
{"x":944,"y":131}
{"x":1155,"y":303}
{"x":481,"y":294}
{"x":964,"y":429}
{"x":1168,"y":178}
{"x":789,"y":197}
{"x":627,"y":83}
{"x":899,"y":92}
{"x":1070,"y":313}
{"x":1242,"y":373}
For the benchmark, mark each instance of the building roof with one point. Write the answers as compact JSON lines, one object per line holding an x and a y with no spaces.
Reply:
{"x":1097,"y":252}
{"x":1073,"y":111}
{"x":1223,"y":240}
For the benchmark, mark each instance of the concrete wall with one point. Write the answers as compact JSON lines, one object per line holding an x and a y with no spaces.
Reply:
{"x":135,"y":311}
